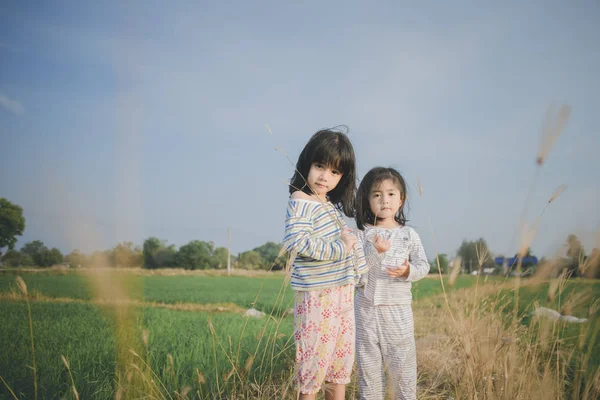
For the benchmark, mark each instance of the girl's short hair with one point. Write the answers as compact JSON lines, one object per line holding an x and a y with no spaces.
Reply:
{"x":332,"y":148}
{"x":372,"y":179}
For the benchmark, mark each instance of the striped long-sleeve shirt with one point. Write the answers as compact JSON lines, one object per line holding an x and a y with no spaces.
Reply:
{"x":312,"y":233}
{"x":405,"y":244}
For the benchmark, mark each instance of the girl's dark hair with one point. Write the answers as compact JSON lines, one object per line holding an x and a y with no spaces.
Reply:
{"x":332,"y":148}
{"x":372,"y":179}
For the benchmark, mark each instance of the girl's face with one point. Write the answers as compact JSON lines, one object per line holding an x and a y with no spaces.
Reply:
{"x":323,"y":179}
{"x":385,"y":200}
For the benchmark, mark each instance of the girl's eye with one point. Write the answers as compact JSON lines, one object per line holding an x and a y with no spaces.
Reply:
{"x":318,"y":166}
{"x":335,"y":172}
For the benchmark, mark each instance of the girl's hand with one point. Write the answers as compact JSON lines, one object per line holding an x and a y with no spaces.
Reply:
{"x":349,"y":239}
{"x":399,"y":272}
{"x":381,"y":245}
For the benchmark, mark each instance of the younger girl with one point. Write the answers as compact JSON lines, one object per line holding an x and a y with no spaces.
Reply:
{"x":384,"y":320}
{"x":326,"y":260}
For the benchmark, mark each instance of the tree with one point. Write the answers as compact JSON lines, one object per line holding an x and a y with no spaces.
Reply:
{"x":12,"y":224}
{"x":195,"y":255}
{"x":250,"y":259}
{"x":474,"y":253}
{"x":166,"y":257}
{"x":219,"y":259}
{"x":14,"y":258}
{"x":37,"y":251}
{"x":151,"y":248}
{"x":26,"y":260}
{"x":53,"y":257}
{"x":100,"y":258}
{"x":443,"y":264}
{"x":574,"y":247}
{"x":575,"y":255}
{"x":126,"y":255}
{"x":41,"y":255}
{"x":76,"y":259}
{"x":269,"y":252}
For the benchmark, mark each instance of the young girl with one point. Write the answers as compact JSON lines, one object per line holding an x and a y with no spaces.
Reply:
{"x":384,"y":320}
{"x":327,"y":258}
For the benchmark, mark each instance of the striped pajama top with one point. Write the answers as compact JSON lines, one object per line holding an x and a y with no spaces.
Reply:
{"x":405,"y":243}
{"x":312,"y":234}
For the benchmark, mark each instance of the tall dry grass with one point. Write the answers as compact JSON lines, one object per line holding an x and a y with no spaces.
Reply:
{"x":475,"y":351}
{"x":476,"y":346}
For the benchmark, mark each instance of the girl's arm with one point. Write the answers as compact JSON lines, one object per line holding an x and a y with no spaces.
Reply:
{"x":361,"y":264}
{"x":372,"y":256}
{"x":298,"y":231}
{"x":417,"y":260}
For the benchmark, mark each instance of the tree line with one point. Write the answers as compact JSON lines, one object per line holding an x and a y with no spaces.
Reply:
{"x":156,"y":253}
{"x":475,"y":256}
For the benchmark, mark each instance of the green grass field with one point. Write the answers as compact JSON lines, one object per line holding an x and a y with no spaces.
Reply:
{"x":258,"y":292}
{"x":88,"y":335}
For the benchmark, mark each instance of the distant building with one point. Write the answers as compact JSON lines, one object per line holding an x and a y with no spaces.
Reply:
{"x":510,"y":263}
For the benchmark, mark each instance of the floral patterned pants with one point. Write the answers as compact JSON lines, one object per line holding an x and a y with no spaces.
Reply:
{"x":324,"y":332}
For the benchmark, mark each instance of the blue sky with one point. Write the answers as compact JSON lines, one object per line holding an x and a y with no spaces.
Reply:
{"x":124,"y":120}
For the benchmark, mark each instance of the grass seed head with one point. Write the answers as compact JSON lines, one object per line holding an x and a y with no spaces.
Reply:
{"x":455,"y":270}
{"x":201,"y":378}
{"x":249,"y":363}
{"x":185,"y":391}
{"x":557,"y":192}
{"x":22,"y":286}
{"x":65,"y":361}
{"x":552,"y":127}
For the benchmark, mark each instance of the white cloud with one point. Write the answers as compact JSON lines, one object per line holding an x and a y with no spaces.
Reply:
{"x":11,"y":105}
